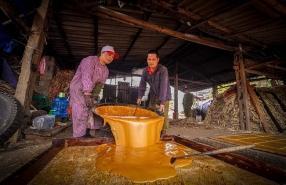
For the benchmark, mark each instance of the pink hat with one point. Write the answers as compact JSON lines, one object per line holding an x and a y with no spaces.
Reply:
{"x":110,"y":50}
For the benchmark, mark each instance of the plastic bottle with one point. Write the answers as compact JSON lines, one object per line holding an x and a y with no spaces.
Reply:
{"x":44,"y":122}
{"x":60,"y":105}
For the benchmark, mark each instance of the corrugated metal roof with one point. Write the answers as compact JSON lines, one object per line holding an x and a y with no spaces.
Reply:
{"x":79,"y":29}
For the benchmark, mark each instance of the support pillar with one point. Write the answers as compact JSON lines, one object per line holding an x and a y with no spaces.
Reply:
{"x":30,"y":61}
{"x":215,"y":91}
{"x":242,"y":95}
{"x":273,"y":83}
{"x":176,"y":112}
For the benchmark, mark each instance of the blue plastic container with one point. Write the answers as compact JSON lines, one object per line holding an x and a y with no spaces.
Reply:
{"x":60,"y":106}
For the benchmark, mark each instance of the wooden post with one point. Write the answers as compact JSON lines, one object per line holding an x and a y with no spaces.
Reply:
{"x":273,"y":83}
{"x":214,"y":91}
{"x":30,"y":61}
{"x":242,"y":95}
{"x":257,"y":107}
{"x":176,"y":112}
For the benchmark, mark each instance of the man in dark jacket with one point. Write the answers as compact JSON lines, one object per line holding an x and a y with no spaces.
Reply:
{"x":188,"y":102}
{"x":156,"y":75}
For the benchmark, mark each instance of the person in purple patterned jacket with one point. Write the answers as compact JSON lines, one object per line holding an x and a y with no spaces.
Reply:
{"x":156,"y":75}
{"x":91,"y":73}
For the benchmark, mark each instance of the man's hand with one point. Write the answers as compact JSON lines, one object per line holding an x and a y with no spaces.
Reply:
{"x":88,"y":101}
{"x":162,"y":107}
{"x":139,"y":101}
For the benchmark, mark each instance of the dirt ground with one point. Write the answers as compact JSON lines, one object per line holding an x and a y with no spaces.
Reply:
{"x":20,"y":153}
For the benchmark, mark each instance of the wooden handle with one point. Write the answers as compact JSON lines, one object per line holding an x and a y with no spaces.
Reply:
{"x":218,"y":151}
{"x":231,"y":149}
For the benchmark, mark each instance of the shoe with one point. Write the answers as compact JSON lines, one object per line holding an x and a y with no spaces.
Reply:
{"x":163,"y":134}
{"x":87,"y":136}
{"x":106,"y":127}
{"x":97,"y":133}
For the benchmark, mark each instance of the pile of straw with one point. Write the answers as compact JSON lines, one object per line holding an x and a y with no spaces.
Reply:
{"x":6,"y":87}
{"x":60,"y":83}
{"x":224,"y":112}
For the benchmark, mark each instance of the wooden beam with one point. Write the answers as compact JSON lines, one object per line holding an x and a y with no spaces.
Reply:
{"x":266,"y":9}
{"x":168,"y":38}
{"x":62,"y":32}
{"x":261,"y":73}
{"x":276,"y":5}
{"x":177,"y":9}
{"x":191,"y":81}
{"x":257,"y":107}
{"x":162,"y":44}
{"x":30,"y":61}
{"x":145,"y":18}
{"x":9,"y":11}
{"x":259,"y":63}
{"x":276,"y":67}
{"x":211,"y":23}
{"x":232,"y":8}
{"x":20,"y":16}
{"x":110,"y":14}
{"x":170,"y":78}
{"x":267,"y":23}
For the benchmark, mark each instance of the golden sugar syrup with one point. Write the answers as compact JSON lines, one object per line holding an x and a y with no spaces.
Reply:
{"x":138,"y":154}
{"x":135,"y":131}
{"x":145,"y":164}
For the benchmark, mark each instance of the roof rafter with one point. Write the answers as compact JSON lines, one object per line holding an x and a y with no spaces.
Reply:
{"x":267,"y":23}
{"x":276,"y":5}
{"x":107,"y":13}
{"x":61,"y":30}
{"x":226,"y":10}
{"x":219,"y":55}
{"x":163,"y":43}
{"x":211,"y":23}
{"x":146,"y":17}
{"x":95,"y":20}
{"x":10,"y":12}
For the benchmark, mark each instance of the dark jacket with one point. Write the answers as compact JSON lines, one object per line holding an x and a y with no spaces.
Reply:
{"x":159,"y":84}
{"x":188,"y":100}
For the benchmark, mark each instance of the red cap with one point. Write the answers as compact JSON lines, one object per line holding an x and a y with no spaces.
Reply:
{"x":110,"y":50}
